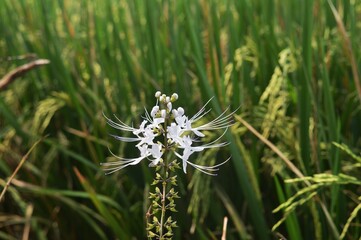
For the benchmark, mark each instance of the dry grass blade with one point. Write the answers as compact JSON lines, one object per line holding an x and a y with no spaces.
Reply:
{"x":85,"y":135}
{"x":19,"y":71}
{"x":289,"y":164}
{"x":224,"y":231}
{"x":28,"y":214}
{"x":18,"y":167}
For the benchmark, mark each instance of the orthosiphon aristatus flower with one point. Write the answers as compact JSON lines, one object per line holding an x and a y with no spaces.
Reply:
{"x":168,"y":129}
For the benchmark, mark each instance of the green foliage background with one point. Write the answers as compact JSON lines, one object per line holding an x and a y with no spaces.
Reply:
{"x":288,"y":65}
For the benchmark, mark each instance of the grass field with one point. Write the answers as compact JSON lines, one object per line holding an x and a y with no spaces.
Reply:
{"x":291,"y":67}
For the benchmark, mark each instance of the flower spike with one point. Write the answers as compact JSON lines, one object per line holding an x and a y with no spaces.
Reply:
{"x":166,"y":132}
{"x":177,"y":130}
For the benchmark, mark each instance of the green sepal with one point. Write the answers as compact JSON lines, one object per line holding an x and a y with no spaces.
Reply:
{"x":152,"y":234}
{"x":155,"y":182}
{"x":155,"y":220}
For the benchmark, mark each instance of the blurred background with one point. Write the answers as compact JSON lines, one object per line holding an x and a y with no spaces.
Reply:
{"x":292,"y":68}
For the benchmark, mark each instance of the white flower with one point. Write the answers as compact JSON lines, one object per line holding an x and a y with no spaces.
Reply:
{"x":154,"y":111}
{"x":181,"y":135}
{"x":186,"y":144}
{"x":157,"y":153}
{"x":144,"y":135}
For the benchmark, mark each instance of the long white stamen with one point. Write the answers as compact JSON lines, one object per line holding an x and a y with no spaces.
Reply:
{"x":125,"y":139}
{"x":121,"y":125}
{"x":202,"y":110}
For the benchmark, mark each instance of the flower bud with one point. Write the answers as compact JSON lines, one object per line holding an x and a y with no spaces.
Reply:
{"x":174,"y":97}
{"x":169,"y":106}
{"x":175,"y":113}
{"x":157,"y":94}
{"x":167,"y":99}
{"x":162,"y":98}
{"x":180,"y":111}
{"x":163,"y":113}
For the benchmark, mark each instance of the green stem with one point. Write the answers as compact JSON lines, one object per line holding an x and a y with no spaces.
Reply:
{"x":164,"y":184}
{"x":164,"y":177}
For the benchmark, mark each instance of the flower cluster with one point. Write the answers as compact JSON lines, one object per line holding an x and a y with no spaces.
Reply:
{"x":166,"y":129}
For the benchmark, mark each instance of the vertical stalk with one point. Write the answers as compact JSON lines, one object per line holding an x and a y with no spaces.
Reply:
{"x":164,"y":175}
{"x":166,"y":195}
{"x":164,"y":183}
{"x":163,"y":211}
{"x":304,"y":94}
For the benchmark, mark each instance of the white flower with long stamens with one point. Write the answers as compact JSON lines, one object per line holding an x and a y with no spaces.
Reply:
{"x":180,"y":134}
